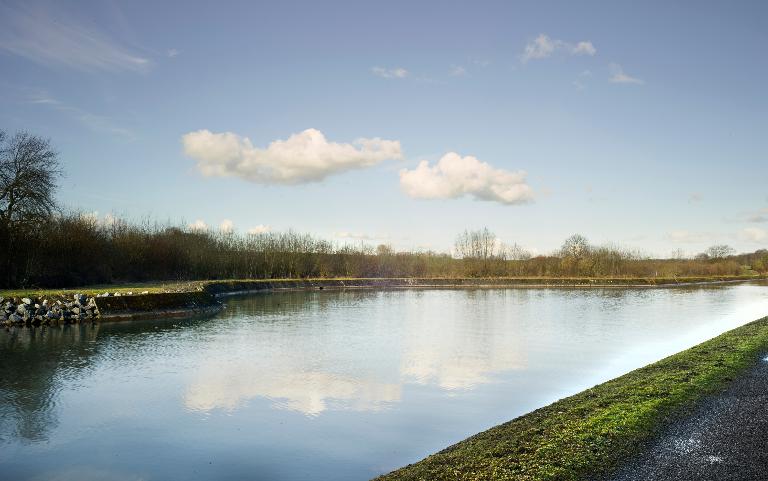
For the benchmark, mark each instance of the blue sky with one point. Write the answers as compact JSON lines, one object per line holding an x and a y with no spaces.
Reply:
{"x":640,"y":123}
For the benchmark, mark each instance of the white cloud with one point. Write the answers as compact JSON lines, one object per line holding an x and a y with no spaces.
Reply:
{"x":455,"y":176}
{"x":584,"y":48}
{"x":227,"y":226}
{"x":619,"y":76}
{"x":172,"y":52}
{"x":199,"y":225}
{"x":54,"y":38}
{"x":303,"y":157}
{"x":544,"y":46}
{"x":457,"y":71}
{"x":754,"y":234}
{"x":397,"y":72}
{"x":259,"y":229}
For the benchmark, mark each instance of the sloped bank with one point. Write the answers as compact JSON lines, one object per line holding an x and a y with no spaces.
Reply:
{"x":588,"y":435}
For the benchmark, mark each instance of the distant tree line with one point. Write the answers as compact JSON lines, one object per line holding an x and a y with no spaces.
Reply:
{"x":41,"y":246}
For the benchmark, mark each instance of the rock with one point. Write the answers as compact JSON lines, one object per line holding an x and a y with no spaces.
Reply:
{"x":76,"y":310}
{"x":145,"y":292}
{"x":26,"y":300}
{"x":45,"y":302}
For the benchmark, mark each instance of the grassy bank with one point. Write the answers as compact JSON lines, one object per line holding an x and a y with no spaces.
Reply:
{"x":587,"y":435}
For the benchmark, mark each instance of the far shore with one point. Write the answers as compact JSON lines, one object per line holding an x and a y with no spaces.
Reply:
{"x":176,"y":299}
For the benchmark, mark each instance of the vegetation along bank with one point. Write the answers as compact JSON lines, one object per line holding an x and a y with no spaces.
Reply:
{"x":588,"y":435}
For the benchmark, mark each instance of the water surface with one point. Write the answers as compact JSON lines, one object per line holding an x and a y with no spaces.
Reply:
{"x":326,"y":385}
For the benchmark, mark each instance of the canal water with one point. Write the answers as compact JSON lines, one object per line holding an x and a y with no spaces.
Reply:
{"x":326,"y":385}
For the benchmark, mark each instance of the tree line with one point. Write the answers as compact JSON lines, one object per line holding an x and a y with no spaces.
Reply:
{"x":42,"y":246}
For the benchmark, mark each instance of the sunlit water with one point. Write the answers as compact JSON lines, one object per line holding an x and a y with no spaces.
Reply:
{"x":326,"y":385}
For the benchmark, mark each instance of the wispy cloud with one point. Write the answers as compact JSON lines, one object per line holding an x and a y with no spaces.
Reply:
{"x":754,"y":234}
{"x":53,"y":37}
{"x":98,"y":123}
{"x":544,"y":46}
{"x":172,"y":52}
{"x":758,"y":216}
{"x":620,"y":77}
{"x":304,"y":157}
{"x":457,"y":71}
{"x":390,"y":73}
{"x":685,"y":236}
{"x":357,"y":236}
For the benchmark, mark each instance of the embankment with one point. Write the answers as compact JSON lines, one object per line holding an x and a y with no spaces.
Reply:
{"x":588,"y":435}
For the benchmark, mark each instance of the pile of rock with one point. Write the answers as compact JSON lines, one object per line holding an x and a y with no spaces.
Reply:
{"x":40,"y":312}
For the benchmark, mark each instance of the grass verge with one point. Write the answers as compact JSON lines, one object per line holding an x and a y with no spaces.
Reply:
{"x":587,"y":435}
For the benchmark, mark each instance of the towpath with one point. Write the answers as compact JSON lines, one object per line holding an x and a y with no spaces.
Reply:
{"x":724,"y":439}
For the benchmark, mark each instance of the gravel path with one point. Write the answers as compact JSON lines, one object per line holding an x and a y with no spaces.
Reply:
{"x":725,"y":438}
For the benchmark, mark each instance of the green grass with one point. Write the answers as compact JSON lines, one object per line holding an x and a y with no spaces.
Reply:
{"x":587,"y":435}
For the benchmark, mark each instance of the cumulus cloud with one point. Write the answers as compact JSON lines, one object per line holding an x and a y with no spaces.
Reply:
{"x":227,"y":226}
{"x":455,"y":176}
{"x":259,"y":229}
{"x":754,"y":234}
{"x":544,"y":46}
{"x":397,"y":72}
{"x":198,"y":225}
{"x":620,"y":77}
{"x":303,"y":157}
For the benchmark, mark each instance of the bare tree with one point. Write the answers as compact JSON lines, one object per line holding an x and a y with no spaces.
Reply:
{"x":29,"y":171}
{"x":575,"y":246}
{"x":477,"y":244}
{"x":720,"y":251}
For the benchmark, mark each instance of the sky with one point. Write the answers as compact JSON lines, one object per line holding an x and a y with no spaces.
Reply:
{"x":642,"y":124}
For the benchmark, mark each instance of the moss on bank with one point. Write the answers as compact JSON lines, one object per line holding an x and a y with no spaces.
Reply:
{"x":587,"y":435}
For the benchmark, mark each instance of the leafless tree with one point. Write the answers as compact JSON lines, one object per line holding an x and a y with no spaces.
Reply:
{"x":477,"y":244}
{"x":29,"y":171}
{"x":575,"y":246}
{"x":720,"y":251}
